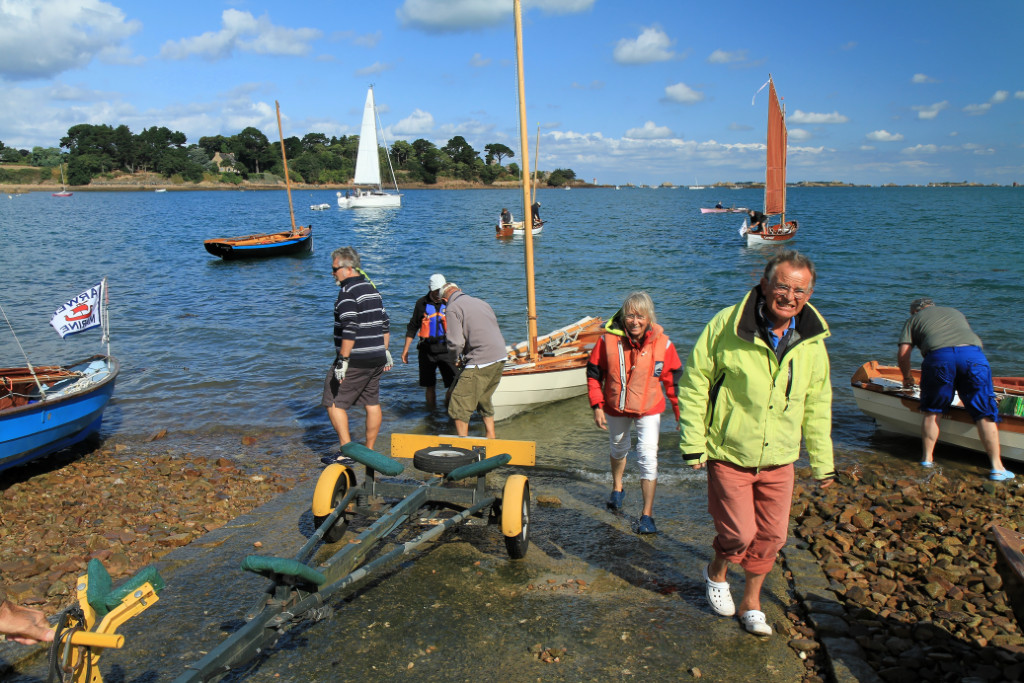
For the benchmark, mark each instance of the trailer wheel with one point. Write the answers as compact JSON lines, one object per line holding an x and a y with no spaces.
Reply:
{"x":443,"y":459}
{"x":331,"y":487}
{"x":515,"y":516}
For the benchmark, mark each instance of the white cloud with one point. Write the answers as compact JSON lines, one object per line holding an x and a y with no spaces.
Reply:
{"x":479,"y":61}
{"x":417,"y":123}
{"x":867,"y":148}
{"x":921,"y":149}
{"x":930,"y":111}
{"x":1000,"y":96}
{"x":375,"y":68}
{"x":1019,"y":95}
{"x":922,"y":78}
{"x":849,"y":46}
{"x":680,"y":92}
{"x":244,"y":32}
{"x":723,"y":57}
{"x":652,"y":45}
{"x":884,"y":136}
{"x":798,"y":134}
{"x":43,"y":38}
{"x":978,"y":109}
{"x":650,"y":131}
{"x":810,"y":118}
{"x":449,"y":16}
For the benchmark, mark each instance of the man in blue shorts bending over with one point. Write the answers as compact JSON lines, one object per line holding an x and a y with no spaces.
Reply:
{"x":953,"y":361}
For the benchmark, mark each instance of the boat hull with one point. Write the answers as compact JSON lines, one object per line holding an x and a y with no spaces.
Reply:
{"x":262,"y":246}
{"x":876,"y":391}
{"x":775,"y":234}
{"x":558,"y":373}
{"x":516,"y":229}
{"x":736,"y":210}
{"x":72,"y":411}
{"x":370,"y":200}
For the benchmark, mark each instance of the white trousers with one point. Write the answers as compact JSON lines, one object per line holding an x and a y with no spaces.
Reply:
{"x":648,"y":429}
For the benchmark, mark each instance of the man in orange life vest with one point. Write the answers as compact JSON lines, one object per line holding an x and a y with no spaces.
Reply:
{"x":428,"y":325}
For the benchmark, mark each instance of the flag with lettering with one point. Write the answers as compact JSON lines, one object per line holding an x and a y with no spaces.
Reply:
{"x":79,"y":313}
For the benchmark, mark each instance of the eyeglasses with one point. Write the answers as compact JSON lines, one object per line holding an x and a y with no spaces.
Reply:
{"x":335,"y":269}
{"x":780,"y":288}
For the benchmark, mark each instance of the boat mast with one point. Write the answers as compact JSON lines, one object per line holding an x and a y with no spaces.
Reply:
{"x":284,"y":157}
{"x":536,"y":154}
{"x":531,"y":294}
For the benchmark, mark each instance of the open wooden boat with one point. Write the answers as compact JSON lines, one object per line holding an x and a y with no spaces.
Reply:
{"x":774,"y":178}
{"x":550,"y":368}
{"x":63,"y":408}
{"x":298,"y":240}
{"x":516,"y":229}
{"x":878,"y":390}
{"x":729,"y":210}
{"x":1010,"y":565}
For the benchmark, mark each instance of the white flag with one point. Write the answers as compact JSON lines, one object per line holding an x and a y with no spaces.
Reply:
{"x":79,"y":313}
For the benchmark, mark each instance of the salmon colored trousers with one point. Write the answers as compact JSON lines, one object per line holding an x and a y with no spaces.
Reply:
{"x":750,"y":508}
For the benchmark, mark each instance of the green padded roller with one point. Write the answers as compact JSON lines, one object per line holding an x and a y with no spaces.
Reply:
{"x":372,"y":459}
{"x":269,"y":566}
{"x":475,"y":469}
{"x":99,"y":587}
{"x":147,"y":574}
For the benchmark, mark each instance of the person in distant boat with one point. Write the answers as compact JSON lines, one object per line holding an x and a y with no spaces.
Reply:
{"x":719,"y":205}
{"x":361,"y":335}
{"x":506,"y":217}
{"x":474,"y":338}
{"x":625,"y":375}
{"x":428,"y":325}
{"x":953,"y":362}
{"x":757,"y":221}
{"x":755,"y":383}
{"x":535,"y":210}
{"x":21,"y":624}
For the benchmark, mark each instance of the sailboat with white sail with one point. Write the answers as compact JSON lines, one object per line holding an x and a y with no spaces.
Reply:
{"x":368,"y":167}
{"x":63,"y":185}
{"x":552,"y":367}
{"x":774,"y":178}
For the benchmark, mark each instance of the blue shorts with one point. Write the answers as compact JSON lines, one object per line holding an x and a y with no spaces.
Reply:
{"x":965,"y":370}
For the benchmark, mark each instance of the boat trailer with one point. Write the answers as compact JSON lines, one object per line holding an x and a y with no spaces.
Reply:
{"x":300,"y":590}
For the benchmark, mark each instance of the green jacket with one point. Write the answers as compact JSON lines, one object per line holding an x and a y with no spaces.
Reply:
{"x":740,"y":404}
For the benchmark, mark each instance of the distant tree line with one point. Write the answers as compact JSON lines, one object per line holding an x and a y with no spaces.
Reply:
{"x":91,"y":151}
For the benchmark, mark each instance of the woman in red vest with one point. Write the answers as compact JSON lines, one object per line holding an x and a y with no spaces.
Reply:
{"x":625,"y":375}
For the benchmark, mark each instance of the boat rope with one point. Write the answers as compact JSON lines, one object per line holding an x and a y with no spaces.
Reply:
{"x":387,"y":151}
{"x":42,"y":392}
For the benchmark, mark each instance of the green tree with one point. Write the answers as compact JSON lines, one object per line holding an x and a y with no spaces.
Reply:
{"x":561,"y":176}
{"x":312,"y":142}
{"x":45,"y":157}
{"x":215,"y":143}
{"x":252,"y":149}
{"x":497,"y":151}
{"x":460,"y":151}
{"x":401,"y":153}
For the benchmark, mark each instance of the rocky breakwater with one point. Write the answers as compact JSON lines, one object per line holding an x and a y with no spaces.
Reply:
{"x":911,"y":561}
{"x":126,"y":506}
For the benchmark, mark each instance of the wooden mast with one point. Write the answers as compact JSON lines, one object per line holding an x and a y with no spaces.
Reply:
{"x":531,"y":295}
{"x":536,"y":154}
{"x":284,"y":157}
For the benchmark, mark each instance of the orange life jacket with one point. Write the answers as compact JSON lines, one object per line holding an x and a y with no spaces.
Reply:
{"x":433,"y":323}
{"x":632,"y":381}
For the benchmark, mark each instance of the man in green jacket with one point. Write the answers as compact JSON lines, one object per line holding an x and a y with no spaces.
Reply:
{"x":757,"y":381}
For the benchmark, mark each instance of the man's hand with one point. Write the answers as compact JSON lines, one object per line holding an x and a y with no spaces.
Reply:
{"x":340,"y":367}
{"x":599,"y":418}
{"x":908,"y":383}
{"x":825,"y":483}
{"x":405,"y":355}
{"x":390,"y":363}
{"x":23,"y":625}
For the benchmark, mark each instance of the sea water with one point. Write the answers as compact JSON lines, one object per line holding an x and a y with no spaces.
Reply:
{"x":212,"y":351}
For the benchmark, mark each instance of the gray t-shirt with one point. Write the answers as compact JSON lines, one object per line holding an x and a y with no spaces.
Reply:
{"x":937,"y":327}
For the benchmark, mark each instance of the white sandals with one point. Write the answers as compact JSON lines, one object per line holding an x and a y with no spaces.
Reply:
{"x":755,"y":622}
{"x":719,"y":596}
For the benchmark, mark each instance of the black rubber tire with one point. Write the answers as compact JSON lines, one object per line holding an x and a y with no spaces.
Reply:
{"x":518,"y":545}
{"x":442,"y":459}
{"x":340,"y":526}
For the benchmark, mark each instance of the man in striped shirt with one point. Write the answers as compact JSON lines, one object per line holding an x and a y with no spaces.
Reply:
{"x":361,"y":336}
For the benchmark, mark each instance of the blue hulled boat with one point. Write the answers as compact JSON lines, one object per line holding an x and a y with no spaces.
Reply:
{"x":47,"y":409}
{"x":288,"y":242}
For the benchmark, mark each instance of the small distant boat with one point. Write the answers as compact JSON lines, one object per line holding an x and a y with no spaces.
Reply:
{"x":160,"y":189}
{"x":878,"y":390}
{"x":368,"y":167}
{"x":298,"y":240}
{"x":695,"y":186}
{"x":775,"y":178}
{"x":515,"y":228}
{"x":320,"y":207}
{"x":45,"y":409}
{"x":63,"y":185}
{"x":736,"y":209}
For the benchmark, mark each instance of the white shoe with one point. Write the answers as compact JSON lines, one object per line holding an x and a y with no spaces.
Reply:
{"x":754,"y":621}
{"x":719,"y":596}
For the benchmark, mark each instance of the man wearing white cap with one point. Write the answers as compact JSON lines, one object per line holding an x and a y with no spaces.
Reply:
{"x":428,"y":325}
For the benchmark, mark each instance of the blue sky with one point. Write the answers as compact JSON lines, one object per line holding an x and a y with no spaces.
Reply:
{"x":645,"y":91}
